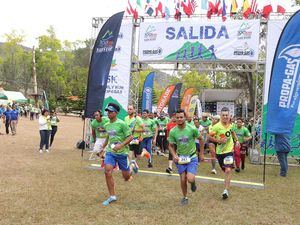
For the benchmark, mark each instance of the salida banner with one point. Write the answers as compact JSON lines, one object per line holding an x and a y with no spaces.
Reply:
{"x":199,"y":40}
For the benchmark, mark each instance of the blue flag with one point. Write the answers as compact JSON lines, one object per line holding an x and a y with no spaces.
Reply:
{"x":100,"y":64}
{"x":148,"y":92}
{"x":284,"y":90}
{"x":174,"y":101}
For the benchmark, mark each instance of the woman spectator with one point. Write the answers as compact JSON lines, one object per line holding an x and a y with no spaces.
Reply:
{"x":54,"y":120}
{"x":44,"y":127}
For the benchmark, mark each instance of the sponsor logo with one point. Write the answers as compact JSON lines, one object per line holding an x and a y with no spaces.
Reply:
{"x":196,"y":33}
{"x":153,"y":51}
{"x":164,"y":99}
{"x":244,"y":31}
{"x":148,"y":97}
{"x":106,"y":43}
{"x":183,"y":140}
{"x":289,"y":88}
{"x":175,"y":94}
{"x":244,"y":50}
{"x":150,"y":34}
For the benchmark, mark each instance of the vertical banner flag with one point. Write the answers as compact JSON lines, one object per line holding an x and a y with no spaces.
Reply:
{"x":101,"y":60}
{"x":46,"y":100}
{"x":164,"y":98}
{"x":148,"y":92}
{"x":118,"y":82}
{"x":185,"y":102}
{"x":192,"y":106}
{"x":199,"y":108}
{"x":284,"y":90}
{"x":174,"y":101}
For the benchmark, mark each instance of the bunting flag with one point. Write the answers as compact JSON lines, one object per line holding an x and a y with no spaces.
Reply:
{"x":204,"y":4}
{"x":224,"y":11}
{"x":218,"y":8}
{"x":188,"y":7}
{"x":132,"y":12}
{"x":246,"y":9}
{"x":284,"y":90}
{"x":148,"y":92}
{"x":159,"y":9}
{"x":100,"y":64}
{"x":233,"y":8}
{"x":174,"y":101}
{"x":185,"y":102}
{"x":267,"y":9}
{"x":165,"y":98}
{"x":254,"y":7}
{"x":280,"y":9}
{"x":211,"y":8}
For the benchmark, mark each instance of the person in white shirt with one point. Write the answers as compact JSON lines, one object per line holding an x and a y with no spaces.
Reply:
{"x":45,"y":129}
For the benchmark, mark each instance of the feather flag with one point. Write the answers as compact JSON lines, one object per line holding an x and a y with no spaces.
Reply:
{"x":246,"y":9}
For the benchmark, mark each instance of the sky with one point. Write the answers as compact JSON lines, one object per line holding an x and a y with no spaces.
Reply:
{"x":72,"y":20}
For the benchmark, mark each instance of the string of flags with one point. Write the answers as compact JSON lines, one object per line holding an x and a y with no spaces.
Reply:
{"x":223,"y":8}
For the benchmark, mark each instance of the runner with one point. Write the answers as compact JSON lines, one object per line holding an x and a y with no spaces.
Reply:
{"x":223,"y":134}
{"x":162,"y":143}
{"x":137,"y":128}
{"x":212,"y":145}
{"x":98,"y":132}
{"x":205,"y":123}
{"x":200,"y":129}
{"x":119,"y":136}
{"x":171,"y":125}
{"x":149,"y":135}
{"x":244,"y":136}
{"x":54,"y":120}
{"x":184,"y":154}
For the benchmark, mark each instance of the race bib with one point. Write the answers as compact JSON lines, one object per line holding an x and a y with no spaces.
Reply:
{"x":162,"y":133}
{"x":134,"y":142}
{"x":228,"y":160}
{"x":183,"y":159}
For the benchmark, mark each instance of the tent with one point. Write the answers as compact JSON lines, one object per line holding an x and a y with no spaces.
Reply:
{"x":13,"y":96}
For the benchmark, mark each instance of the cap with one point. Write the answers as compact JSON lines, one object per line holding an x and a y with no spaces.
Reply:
{"x":112,"y":108}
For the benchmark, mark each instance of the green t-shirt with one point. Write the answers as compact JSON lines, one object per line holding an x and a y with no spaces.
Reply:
{"x":190,"y":123}
{"x":54,"y":121}
{"x":117,"y":133}
{"x":241,"y":133}
{"x":220,"y":132}
{"x":162,"y":124}
{"x":184,"y":139}
{"x":136,"y":123}
{"x":99,"y":127}
{"x":150,"y":126}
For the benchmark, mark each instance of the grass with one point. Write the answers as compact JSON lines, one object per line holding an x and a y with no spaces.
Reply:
{"x":56,"y":188}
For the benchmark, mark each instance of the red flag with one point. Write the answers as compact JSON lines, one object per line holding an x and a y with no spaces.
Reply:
{"x":132,"y":11}
{"x":280,"y":9}
{"x":159,"y":8}
{"x":267,"y":9}
{"x":210,"y":8}
{"x":188,"y":7}
{"x":254,"y":7}
{"x":246,"y":9}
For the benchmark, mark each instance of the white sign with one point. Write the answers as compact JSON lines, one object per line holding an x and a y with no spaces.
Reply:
{"x":119,"y":77}
{"x":229,"y":105}
{"x":199,"y":40}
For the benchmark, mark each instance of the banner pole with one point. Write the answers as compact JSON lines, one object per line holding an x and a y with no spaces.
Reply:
{"x":83,"y":133}
{"x":265,"y":156}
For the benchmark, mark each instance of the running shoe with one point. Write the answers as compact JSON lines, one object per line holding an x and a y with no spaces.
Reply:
{"x":213,"y":171}
{"x":41,"y":151}
{"x":169,"y":170}
{"x":243,"y":166}
{"x":184,"y":201}
{"x":237,"y":170}
{"x":193,"y":186}
{"x":47,"y":150}
{"x":225,"y":194}
{"x":150,"y":165}
{"x":109,"y":200}
{"x":135,"y":167}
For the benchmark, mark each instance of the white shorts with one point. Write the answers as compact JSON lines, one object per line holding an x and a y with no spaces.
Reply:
{"x":98,"y":145}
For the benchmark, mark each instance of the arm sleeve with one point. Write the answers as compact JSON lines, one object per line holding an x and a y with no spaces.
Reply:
{"x":171,"y":138}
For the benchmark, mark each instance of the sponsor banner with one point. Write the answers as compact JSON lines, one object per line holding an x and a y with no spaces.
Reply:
{"x":165,"y":98}
{"x":174,"y":101}
{"x":186,"y":99}
{"x":199,"y":108}
{"x":148,"y":92}
{"x":101,"y":59}
{"x":118,"y":81}
{"x":229,"y":105}
{"x":192,"y":106}
{"x":275,"y":29}
{"x":199,"y":40}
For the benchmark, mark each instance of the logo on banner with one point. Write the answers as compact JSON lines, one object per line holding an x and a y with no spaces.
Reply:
{"x":113,"y":64}
{"x":150,"y":34}
{"x":106,"y":43}
{"x":175,"y":94}
{"x":244,"y":31}
{"x":244,"y":50}
{"x":148,"y":94}
{"x":289,"y":86}
{"x":153,"y":51}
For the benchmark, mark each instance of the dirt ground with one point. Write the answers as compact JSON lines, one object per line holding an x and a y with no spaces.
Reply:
{"x":56,"y":188}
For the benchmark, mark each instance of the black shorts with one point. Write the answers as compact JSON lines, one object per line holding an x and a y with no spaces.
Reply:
{"x":162,"y":142}
{"x":221,"y":158}
{"x":137,"y":149}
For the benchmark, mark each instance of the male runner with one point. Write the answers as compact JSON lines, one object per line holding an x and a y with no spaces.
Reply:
{"x":119,"y":136}
{"x":170,"y":126}
{"x":212,"y":145}
{"x":183,"y":149}
{"x":162,"y":143}
{"x":223,"y":134}
{"x":244,"y":136}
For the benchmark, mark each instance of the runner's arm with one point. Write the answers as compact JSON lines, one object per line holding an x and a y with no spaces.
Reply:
{"x":201,"y":142}
{"x":94,"y":134}
{"x":235,"y":138}
{"x":173,"y":152}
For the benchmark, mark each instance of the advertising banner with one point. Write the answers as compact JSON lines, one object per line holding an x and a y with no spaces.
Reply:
{"x":165,"y":98}
{"x":199,"y":40}
{"x":281,"y":99}
{"x":118,"y":81}
{"x":100,"y":64}
{"x":193,"y":105}
{"x":186,"y":99}
{"x":174,"y":101}
{"x":148,"y":92}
